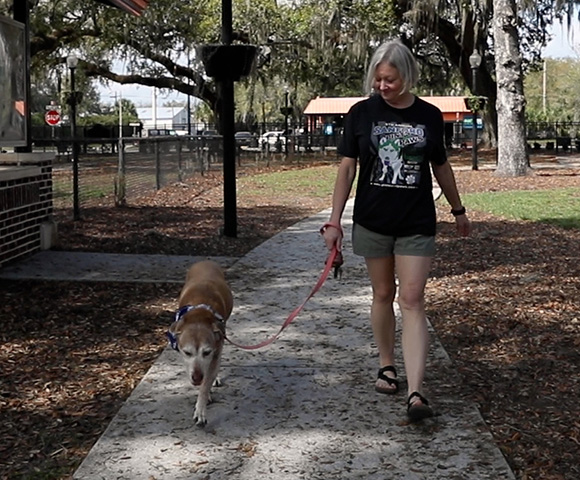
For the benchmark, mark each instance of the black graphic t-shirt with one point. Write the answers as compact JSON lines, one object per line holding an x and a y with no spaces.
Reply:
{"x":394,"y":148}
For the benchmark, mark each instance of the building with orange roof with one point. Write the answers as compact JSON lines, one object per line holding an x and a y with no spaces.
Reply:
{"x":322,"y":111}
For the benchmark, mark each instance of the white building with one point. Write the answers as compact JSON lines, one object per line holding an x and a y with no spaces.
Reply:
{"x":171,"y":118}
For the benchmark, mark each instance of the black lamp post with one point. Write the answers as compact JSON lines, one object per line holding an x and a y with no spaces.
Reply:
{"x":226,"y":87}
{"x":286,"y":113}
{"x":226,"y":63}
{"x":474,"y":62}
{"x":188,"y":95}
{"x":72,"y":61}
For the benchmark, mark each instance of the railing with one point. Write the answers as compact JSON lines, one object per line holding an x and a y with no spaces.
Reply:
{"x":553,"y":135}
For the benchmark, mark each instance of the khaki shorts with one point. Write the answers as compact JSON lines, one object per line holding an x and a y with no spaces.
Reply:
{"x":370,"y":244}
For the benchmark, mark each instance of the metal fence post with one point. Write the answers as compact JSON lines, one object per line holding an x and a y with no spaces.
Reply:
{"x":120,"y":181}
{"x":179,"y":161}
{"x":72,"y":62}
{"x":157,"y":165}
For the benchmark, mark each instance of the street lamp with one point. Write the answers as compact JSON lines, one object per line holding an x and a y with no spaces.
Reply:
{"x":474,"y":62}
{"x":286,"y":110}
{"x":72,"y":62}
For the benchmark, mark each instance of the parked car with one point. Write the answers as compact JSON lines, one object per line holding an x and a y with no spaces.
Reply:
{"x":273,"y":140}
{"x":245,"y":139}
{"x":157,"y":138}
{"x":210,"y":141}
{"x":161,"y":132}
{"x":208,"y":134}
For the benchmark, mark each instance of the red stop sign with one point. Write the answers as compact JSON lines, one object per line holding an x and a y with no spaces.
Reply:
{"x":52,"y":117}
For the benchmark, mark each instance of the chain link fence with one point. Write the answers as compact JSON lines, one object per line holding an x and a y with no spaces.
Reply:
{"x":137,"y":167}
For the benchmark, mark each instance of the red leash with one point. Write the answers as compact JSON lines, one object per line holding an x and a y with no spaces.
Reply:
{"x":334,"y":260}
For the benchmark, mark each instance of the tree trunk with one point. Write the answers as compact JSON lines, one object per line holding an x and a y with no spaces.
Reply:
{"x":459,"y":48}
{"x":512,"y":158}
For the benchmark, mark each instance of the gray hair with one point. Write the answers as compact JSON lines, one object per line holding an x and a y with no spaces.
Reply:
{"x":399,"y":56}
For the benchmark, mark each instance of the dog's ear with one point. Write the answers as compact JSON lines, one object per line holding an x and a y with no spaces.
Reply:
{"x":218,"y":332}
{"x":173,"y":334}
{"x":173,"y":341}
{"x":176,"y":327}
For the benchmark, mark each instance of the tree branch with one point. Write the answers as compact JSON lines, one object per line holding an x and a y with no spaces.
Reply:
{"x":51,"y":41}
{"x":199,"y":89}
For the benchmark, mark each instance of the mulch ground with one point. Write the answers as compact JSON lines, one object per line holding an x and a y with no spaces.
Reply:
{"x":504,"y":303}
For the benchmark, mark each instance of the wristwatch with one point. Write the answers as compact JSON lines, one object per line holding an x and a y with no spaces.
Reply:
{"x":458,"y":212}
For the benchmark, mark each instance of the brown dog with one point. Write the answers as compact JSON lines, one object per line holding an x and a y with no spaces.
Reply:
{"x":198,"y":332}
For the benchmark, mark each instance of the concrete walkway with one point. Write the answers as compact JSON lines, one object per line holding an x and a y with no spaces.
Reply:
{"x":301,"y":408}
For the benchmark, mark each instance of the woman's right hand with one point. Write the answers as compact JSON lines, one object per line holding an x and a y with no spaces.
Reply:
{"x":332,"y":234}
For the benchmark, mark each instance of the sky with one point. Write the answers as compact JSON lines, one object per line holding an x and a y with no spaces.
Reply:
{"x":140,"y":95}
{"x":559,"y":47}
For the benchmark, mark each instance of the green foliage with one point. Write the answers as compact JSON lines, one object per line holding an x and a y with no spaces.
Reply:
{"x":51,"y":86}
{"x":562,"y":92}
{"x":128,"y":109}
{"x":476,"y":103}
{"x":559,"y":207}
{"x":203,"y":113}
{"x":314,"y":47}
{"x":343,"y":35}
{"x":110,"y":115}
{"x":37,"y":119}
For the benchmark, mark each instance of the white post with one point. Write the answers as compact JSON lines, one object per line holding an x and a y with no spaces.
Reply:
{"x":154,"y":108}
{"x":120,"y":116}
{"x":544,"y":87}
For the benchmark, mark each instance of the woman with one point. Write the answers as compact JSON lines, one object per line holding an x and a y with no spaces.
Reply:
{"x":394,"y":221}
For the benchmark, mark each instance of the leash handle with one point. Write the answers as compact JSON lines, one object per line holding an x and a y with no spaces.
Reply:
{"x":338,"y":257}
{"x":330,"y":264}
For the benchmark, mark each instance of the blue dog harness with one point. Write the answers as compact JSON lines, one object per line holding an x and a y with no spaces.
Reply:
{"x":188,"y":308}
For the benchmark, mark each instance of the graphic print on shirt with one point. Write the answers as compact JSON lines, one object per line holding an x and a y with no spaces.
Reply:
{"x":398,"y":151}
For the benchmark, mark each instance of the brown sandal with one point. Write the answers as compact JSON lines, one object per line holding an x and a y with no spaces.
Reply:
{"x":391,"y":381}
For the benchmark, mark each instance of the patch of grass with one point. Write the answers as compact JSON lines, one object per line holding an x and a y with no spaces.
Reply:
{"x":96,"y":192}
{"x":314,"y":182}
{"x":560,"y":207}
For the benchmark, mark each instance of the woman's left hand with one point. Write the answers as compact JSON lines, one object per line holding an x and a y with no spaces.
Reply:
{"x":463,"y":225}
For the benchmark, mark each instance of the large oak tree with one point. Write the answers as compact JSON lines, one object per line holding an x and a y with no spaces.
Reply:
{"x":509,"y":34}
{"x":321,"y":46}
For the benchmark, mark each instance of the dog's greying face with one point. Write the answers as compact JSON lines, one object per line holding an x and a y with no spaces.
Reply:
{"x":199,"y":347}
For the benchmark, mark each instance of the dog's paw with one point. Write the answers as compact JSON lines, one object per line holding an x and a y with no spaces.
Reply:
{"x":217,"y":382}
{"x":199,"y":418}
{"x":199,"y":414}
